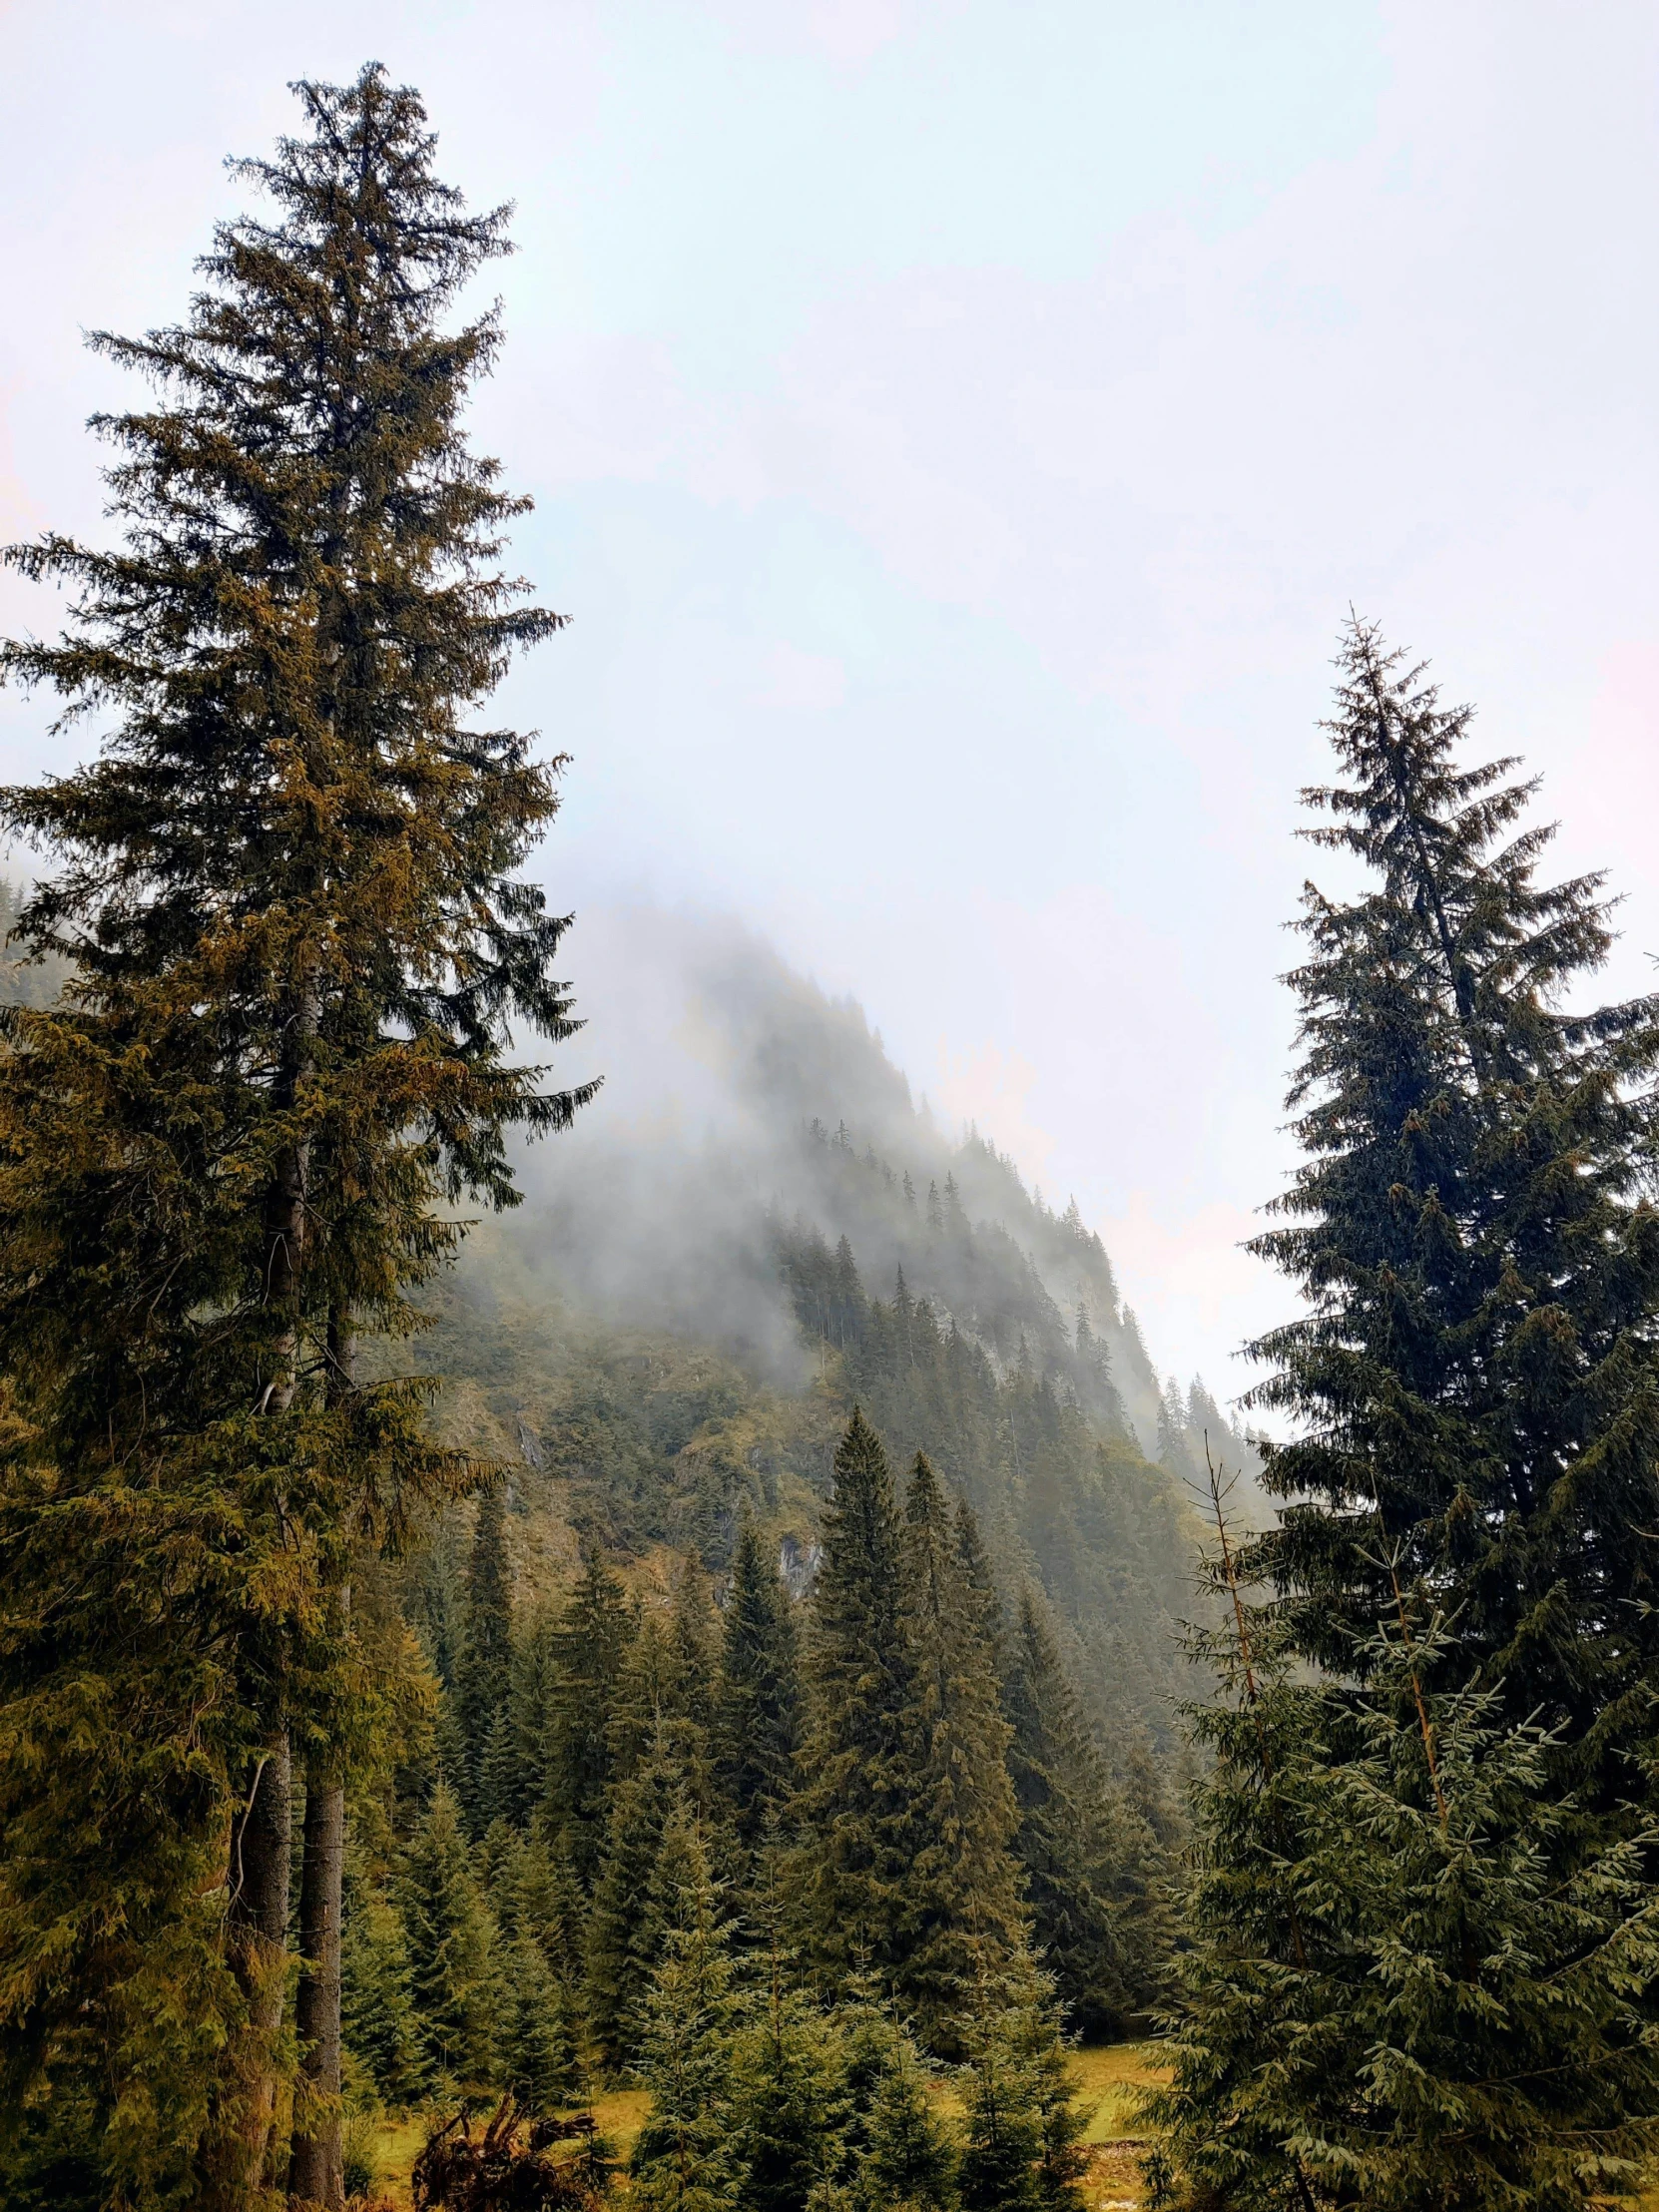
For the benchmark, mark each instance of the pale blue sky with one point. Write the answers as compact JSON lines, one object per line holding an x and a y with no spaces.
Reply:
{"x":958,"y":431}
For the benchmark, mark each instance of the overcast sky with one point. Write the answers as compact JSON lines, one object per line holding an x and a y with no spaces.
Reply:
{"x":958,"y":431}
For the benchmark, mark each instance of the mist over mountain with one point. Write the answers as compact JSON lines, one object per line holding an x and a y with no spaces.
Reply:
{"x":755,"y":1228}
{"x":662,"y":1206}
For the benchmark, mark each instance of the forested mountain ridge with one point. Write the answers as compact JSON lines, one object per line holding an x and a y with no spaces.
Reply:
{"x":679,"y":1322}
{"x":664,"y":1202}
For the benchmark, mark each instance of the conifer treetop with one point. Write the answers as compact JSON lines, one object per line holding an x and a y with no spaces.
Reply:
{"x":306,"y":604}
{"x":1474,"y":1376}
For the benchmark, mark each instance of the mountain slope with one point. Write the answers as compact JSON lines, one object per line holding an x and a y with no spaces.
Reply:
{"x":755,"y":1228}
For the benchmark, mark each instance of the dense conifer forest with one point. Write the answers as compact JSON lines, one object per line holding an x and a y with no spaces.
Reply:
{"x":741,"y":1641}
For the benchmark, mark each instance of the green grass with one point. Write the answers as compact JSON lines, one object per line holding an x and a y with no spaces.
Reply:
{"x":1110,"y":2077}
{"x":620,"y":2113}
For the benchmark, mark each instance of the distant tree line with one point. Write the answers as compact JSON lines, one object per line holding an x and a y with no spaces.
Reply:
{"x":1038,"y":1445}
{"x":798,"y":1854}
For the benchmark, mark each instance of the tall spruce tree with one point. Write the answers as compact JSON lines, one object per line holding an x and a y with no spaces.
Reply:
{"x":757,"y":1712}
{"x":694,"y":1644}
{"x":1089,"y":1864}
{"x":1476,"y":1380}
{"x":909,"y":2158}
{"x":588,"y":1646}
{"x":624,"y":1927}
{"x":452,"y":1939}
{"x":790,"y":2105}
{"x":665,"y":1685}
{"x":793,"y":2060}
{"x":688,"y":2158}
{"x":1022,"y":2149}
{"x":500,"y":1792}
{"x":538,"y":2056}
{"x":521,"y":1788}
{"x":894,"y":2146}
{"x":857,"y":1797}
{"x":962,"y":1914}
{"x":285,"y":889}
{"x":483,"y":1677}
{"x":977,"y":1575}
{"x":379,"y":2019}
{"x":548,"y":1906}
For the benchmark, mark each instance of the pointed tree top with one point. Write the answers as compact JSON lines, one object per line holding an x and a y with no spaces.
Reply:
{"x":924,"y":1498}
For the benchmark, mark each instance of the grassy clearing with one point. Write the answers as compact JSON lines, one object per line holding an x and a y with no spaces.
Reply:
{"x":1110,"y":2077}
{"x":620,"y":2114}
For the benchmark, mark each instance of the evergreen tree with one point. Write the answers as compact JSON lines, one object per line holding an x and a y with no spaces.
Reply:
{"x":1098,"y":1391}
{"x":500,"y":1791}
{"x":624,"y":1927}
{"x":686,"y":2158}
{"x":285,"y":888}
{"x":548,"y":1906}
{"x":522,"y":1759}
{"x":1022,"y":2139}
{"x":693,"y":1640}
{"x":855,"y":1802}
{"x":1062,"y":2159}
{"x":377,"y":2011}
{"x":1390,"y":1998}
{"x":844,"y":1316}
{"x":589,"y":1642}
{"x":998,"y":2166}
{"x":794,"y":2096}
{"x":1476,"y":1380}
{"x":1085,"y":1858}
{"x":537,"y":2038}
{"x":1174,"y":1447}
{"x":909,"y":2164}
{"x":757,"y":1712}
{"x":665,"y":1685}
{"x":978,"y":1577}
{"x":788,"y":2102}
{"x":962,"y":1912}
{"x":897,"y":2149}
{"x":538,"y":1904}
{"x":484,"y":1672}
{"x":451,"y":1942}
{"x":437,"y":1600}
{"x":498,"y":1859}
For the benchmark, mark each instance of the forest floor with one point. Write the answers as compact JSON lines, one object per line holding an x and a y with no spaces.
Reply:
{"x":1110,"y":2078}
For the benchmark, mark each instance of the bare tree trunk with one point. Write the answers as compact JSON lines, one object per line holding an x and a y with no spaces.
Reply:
{"x":267,"y":1843}
{"x":260,"y":1844}
{"x":316,"y":2170}
{"x":316,"y":2166}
